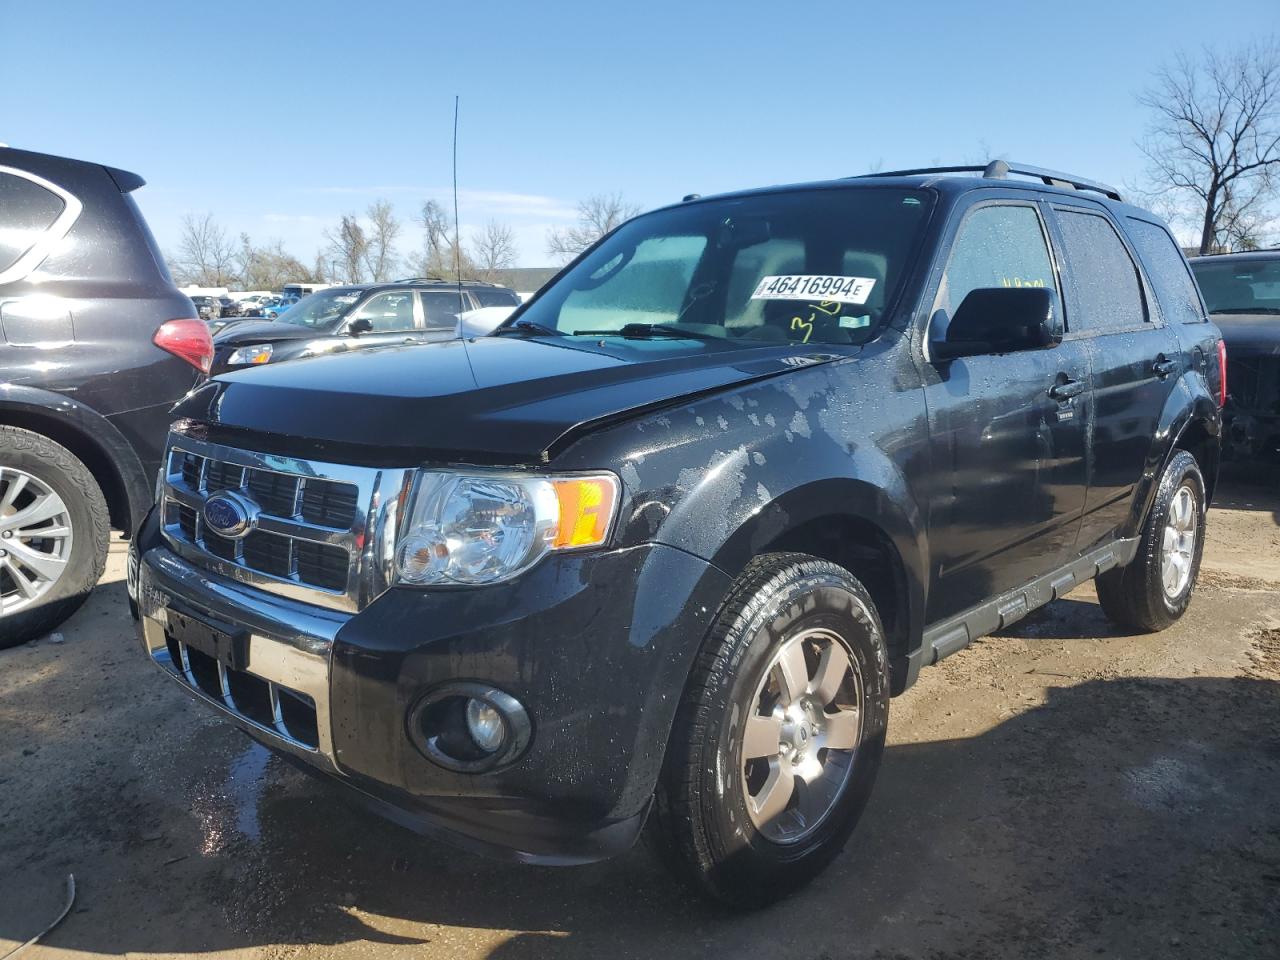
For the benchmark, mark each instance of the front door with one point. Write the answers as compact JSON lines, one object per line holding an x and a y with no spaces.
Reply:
{"x":393,"y":317}
{"x":1007,"y":431}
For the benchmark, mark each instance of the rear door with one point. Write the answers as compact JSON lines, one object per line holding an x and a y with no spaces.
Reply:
{"x":1134,"y":358}
{"x":440,"y":310}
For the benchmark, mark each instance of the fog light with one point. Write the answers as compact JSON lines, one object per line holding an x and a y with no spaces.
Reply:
{"x":485,"y":725}
{"x":469,"y":727}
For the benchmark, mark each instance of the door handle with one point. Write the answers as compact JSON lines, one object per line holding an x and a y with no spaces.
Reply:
{"x":1163,"y":366}
{"x":1062,"y":392}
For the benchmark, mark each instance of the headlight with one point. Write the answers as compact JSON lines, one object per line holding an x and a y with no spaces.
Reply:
{"x":476,"y":529}
{"x":257,"y":353}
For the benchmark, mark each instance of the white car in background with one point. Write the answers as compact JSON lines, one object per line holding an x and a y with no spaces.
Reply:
{"x":482,"y":321}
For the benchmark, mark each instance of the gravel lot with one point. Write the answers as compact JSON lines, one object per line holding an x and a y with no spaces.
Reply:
{"x":1057,"y":790}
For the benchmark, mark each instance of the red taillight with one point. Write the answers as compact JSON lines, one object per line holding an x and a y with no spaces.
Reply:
{"x":1222,"y":373}
{"x":188,"y":339}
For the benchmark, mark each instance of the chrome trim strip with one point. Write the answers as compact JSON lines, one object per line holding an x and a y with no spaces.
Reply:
{"x":52,"y":236}
{"x":290,"y":645}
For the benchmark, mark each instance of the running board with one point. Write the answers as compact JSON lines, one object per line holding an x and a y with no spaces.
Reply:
{"x":956,"y":633}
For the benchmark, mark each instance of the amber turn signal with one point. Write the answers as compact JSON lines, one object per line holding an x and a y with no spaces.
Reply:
{"x":586,"y":510}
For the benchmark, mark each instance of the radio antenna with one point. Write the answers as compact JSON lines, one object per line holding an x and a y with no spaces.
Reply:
{"x":457,"y":249}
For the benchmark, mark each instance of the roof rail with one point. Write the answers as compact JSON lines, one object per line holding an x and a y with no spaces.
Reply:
{"x":1000,"y":170}
{"x":483,"y":283}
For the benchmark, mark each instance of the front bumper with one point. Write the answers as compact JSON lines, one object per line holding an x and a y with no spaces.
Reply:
{"x":596,"y":647}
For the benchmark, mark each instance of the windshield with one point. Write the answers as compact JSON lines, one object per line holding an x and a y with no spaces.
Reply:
{"x":814,"y":266}
{"x":1239,"y":286}
{"x":320,"y":310}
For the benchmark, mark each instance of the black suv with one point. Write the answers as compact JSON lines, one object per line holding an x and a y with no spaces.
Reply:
{"x":1243,"y":294}
{"x":665,"y":544}
{"x":96,"y":344}
{"x":338,"y":319}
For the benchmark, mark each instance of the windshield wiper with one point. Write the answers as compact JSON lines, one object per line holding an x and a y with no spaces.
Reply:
{"x":643,"y":331}
{"x":1253,"y":309}
{"x":531,"y":327}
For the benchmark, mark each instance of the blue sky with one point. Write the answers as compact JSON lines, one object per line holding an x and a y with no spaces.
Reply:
{"x":279,"y":117}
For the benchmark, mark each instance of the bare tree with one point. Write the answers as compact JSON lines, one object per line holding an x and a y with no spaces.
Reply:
{"x":597,"y":215}
{"x":380,"y":251}
{"x":269,"y":267}
{"x":206,"y":255}
{"x":1214,"y":144}
{"x":493,"y":248}
{"x":438,"y":257}
{"x":348,"y":247}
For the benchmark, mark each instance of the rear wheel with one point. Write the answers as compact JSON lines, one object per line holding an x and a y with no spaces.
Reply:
{"x":779,"y":735}
{"x":53,"y":534}
{"x":1155,"y":588}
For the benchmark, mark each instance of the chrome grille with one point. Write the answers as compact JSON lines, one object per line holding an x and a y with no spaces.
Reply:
{"x":324,"y":532}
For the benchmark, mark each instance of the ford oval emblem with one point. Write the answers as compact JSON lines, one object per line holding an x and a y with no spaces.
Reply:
{"x":229,"y":515}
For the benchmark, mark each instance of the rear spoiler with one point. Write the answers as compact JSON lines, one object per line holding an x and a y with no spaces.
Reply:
{"x":126,"y":181}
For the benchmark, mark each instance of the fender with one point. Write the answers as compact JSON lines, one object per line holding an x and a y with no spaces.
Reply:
{"x":725,"y":476}
{"x":19,"y":403}
{"x":1188,"y":404}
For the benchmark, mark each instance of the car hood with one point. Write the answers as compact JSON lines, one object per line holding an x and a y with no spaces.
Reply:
{"x":501,"y":400}
{"x":1249,"y":332}
{"x":240,"y":332}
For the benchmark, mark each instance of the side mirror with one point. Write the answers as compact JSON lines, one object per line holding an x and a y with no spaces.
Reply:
{"x":1000,"y":320}
{"x":360,"y":325}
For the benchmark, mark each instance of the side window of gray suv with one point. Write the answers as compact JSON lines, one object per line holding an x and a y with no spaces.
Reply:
{"x":1108,"y":292}
{"x":996,"y":246}
{"x":27,"y":211}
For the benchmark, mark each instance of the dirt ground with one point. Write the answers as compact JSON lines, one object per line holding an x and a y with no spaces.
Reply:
{"x":1057,"y":790}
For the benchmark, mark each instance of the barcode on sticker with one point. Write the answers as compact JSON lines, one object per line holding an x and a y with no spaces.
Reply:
{"x":815,"y":287}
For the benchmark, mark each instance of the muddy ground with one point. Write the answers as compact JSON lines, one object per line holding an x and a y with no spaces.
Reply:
{"x":1058,"y":790}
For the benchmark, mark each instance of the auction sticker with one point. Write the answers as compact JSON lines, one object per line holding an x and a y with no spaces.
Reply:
{"x":815,"y":287}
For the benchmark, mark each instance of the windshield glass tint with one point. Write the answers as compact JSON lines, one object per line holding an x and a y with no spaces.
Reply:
{"x":1239,"y":286}
{"x":818,"y":266}
{"x":320,"y":310}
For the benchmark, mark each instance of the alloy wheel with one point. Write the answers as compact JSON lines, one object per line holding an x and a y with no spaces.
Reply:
{"x":801,"y":737}
{"x":1177,"y":548}
{"x":35,"y":539}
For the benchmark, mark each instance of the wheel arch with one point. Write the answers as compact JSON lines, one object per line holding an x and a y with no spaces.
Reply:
{"x":92,"y":439}
{"x":855,"y":524}
{"x":1191,"y":420}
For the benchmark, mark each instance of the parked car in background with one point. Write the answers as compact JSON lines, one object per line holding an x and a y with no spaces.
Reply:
{"x":663,"y":546}
{"x":96,"y":344}
{"x":1242,"y":292}
{"x":229,"y":308}
{"x":353,"y":317}
{"x":251,"y":306}
{"x":207,"y":308}
{"x":276,"y":306}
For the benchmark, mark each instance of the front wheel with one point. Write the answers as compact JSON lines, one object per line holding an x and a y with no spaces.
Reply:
{"x":1154,"y":589}
{"x":779,"y":735}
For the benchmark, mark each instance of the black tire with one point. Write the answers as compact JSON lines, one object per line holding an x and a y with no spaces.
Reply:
{"x":1134,"y":596}
{"x":57,"y":467}
{"x":701,"y":823}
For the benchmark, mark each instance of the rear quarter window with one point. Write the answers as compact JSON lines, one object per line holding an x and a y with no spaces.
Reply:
{"x":27,"y":211}
{"x":495,"y":298}
{"x":1168,"y":271}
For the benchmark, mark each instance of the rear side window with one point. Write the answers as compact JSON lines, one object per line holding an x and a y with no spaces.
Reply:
{"x":494,"y":297}
{"x":27,"y":211}
{"x":441,"y":309}
{"x":1168,"y":270}
{"x":1104,"y":276}
{"x":997,"y":246}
